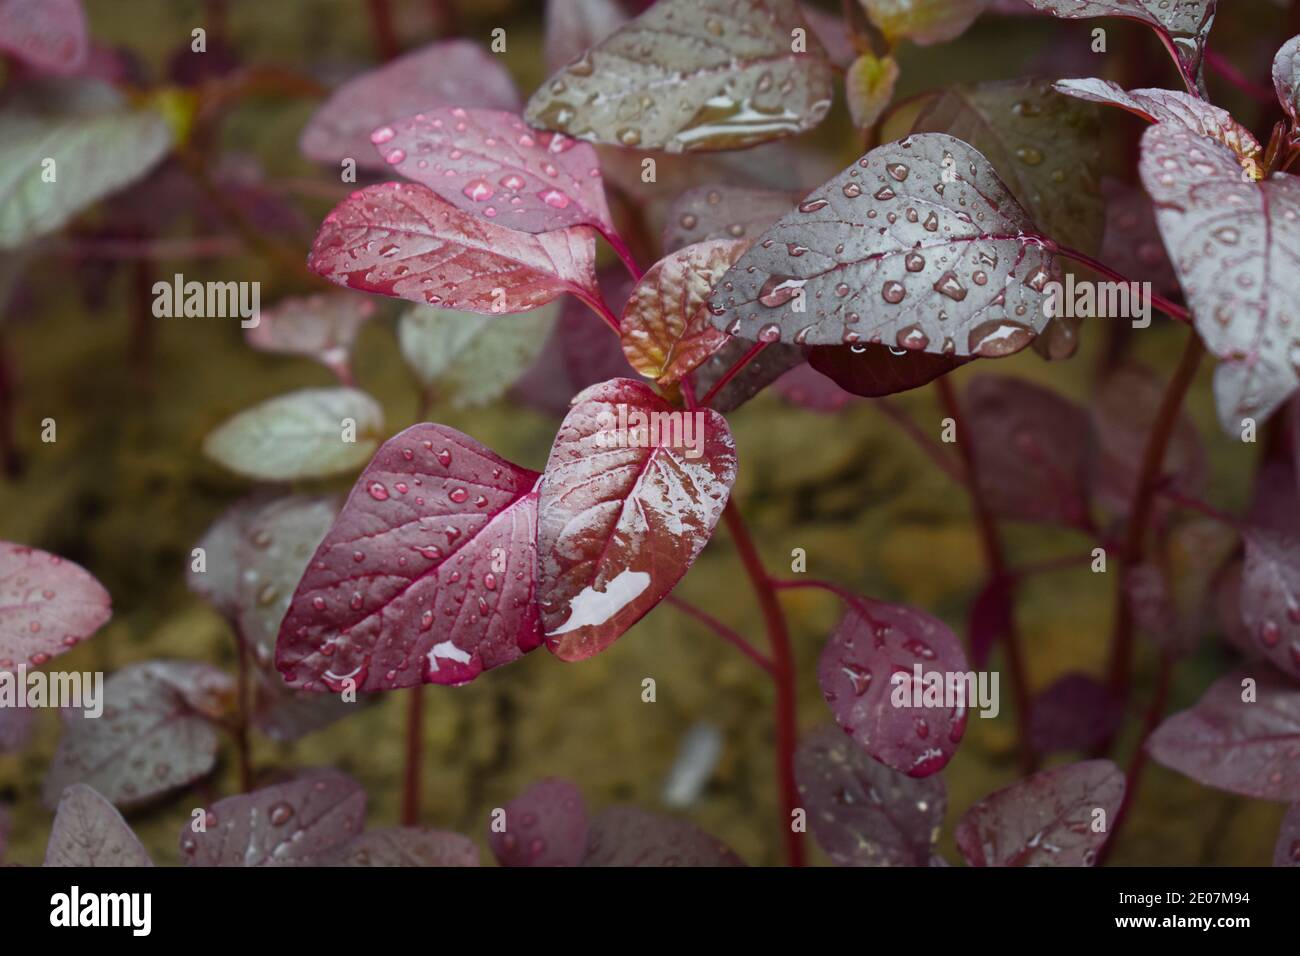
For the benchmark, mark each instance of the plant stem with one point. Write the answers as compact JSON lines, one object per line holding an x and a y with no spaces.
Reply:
{"x":1133,"y":547}
{"x":620,"y":247}
{"x":414,"y":749}
{"x":783,"y":677}
{"x":732,"y":372}
{"x":1170,"y":309}
{"x":1238,"y":79}
{"x":381,"y":21}
{"x":923,"y":441}
{"x":1188,"y":80}
{"x":1200,"y":507}
{"x":724,"y":632}
{"x":598,"y":305}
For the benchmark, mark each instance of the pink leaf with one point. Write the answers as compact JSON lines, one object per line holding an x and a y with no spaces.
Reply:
{"x":49,"y":35}
{"x":861,"y":812}
{"x":88,"y":831}
{"x":1076,"y":712}
{"x":1270,"y":596}
{"x":1049,"y":819}
{"x":546,"y":825}
{"x":449,"y":73}
{"x":323,"y":327}
{"x":867,"y":674}
{"x":47,"y":605}
{"x":1286,"y":78}
{"x":408,"y":846}
{"x":873,"y":371}
{"x":806,"y":387}
{"x":1287,"y":852}
{"x":301,"y":823}
{"x":426,"y":575}
{"x":489,"y":164}
{"x":155,"y":734}
{"x":400,"y":239}
{"x":628,"y":499}
{"x":628,"y":836}
{"x":1247,"y":746}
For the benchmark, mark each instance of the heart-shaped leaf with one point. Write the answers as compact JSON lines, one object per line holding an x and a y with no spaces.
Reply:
{"x":692,"y":75}
{"x":665,"y":327}
{"x":1241,"y":736}
{"x":1030,"y":448}
{"x":449,"y":73}
{"x":575,"y":26}
{"x":631,"y":493}
{"x":155,"y":733}
{"x":48,"y":605}
{"x":1049,"y":819}
{"x":1287,"y":852}
{"x":1270,"y":596}
{"x":1133,"y":238}
{"x":88,"y":831}
{"x":924,"y":22}
{"x":1286,"y":78}
{"x":1235,"y":244}
{"x":489,"y":164}
{"x":1076,"y":712}
{"x":874,"y":371}
{"x":629,"y":836}
{"x":869,"y":88}
{"x":96,"y":145}
{"x":408,"y":846}
{"x":546,"y":825}
{"x":49,"y":35}
{"x":723,"y":212}
{"x":861,"y":812}
{"x":1185,"y":23}
{"x":323,"y":327}
{"x":427,"y":575}
{"x":868,"y":674}
{"x":304,"y":822}
{"x":917,"y":244}
{"x":1046,"y":147}
{"x":400,"y":239}
{"x":306,"y":434}
{"x":473,"y":359}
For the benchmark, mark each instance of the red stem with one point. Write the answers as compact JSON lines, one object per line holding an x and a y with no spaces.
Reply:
{"x":732,"y":372}
{"x":620,"y":247}
{"x":414,"y":748}
{"x":381,"y":20}
{"x":923,"y":441}
{"x":1201,"y":507}
{"x":782,"y":675}
{"x":1164,"y":305}
{"x":10,"y":460}
{"x":1188,"y":80}
{"x":598,"y":305}
{"x":724,"y":632}
{"x":1238,"y":79}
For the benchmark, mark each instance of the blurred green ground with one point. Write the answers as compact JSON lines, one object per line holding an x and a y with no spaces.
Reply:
{"x":126,"y":492}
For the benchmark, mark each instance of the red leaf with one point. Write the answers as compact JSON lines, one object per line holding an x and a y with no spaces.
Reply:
{"x":873,"y":371}
{"x":1076,"y":712}
{"x":546,"y":825}
{"x":618,"y":527}
{"x":426,"y":575}
{"x":450,"y":73}
{"x":408,"y":846}
{"x":990,"y":618}
{"x":47,"y":605}
{"x":1270,"y":596}
{"x":861,"y":812}
{"x":400,"y":239}
{"x":301,"y":823}
{"x":1287,"y":852}
{"x":1246,"y":747}
{"x":628,"y":836}
{"x":49,"y":35}
{"x":88,"y":831}
{"x":869,"y":662}
{"x":1044,"y":820}
{"x":759,"y":371}
{"x":490,"y":164}
{"x":806,"y":387}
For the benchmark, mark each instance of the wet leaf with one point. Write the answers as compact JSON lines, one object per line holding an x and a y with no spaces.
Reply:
{"x":629,"y":836}
{"x":49,"y":35}
{"x":666,"y":331}
{"x":1133,"y":238}
{"x":990,"y":618}
{"x":924,"y":22}
{"x":692,"y":75}
{"x":1231,"y":744}
{"x":861,"y":812}
{"x":408,"y":846}
{"x":88,"y":831}
{"x":723,"y":212}
{"x":1031,"y":451}
{"x":1270,"y":596}
{"x":489,"y":164}
{"x":1235,"y":244}
{"x":1287,"y":852}
{"x":323,"y":327}
{"x":1046,"y":148}
{"x":760,"y":371}
{"x":918,"y":245}
{"x":1286,"y":77}
{"x":873,"y":371}
{"x":867,"y":675}
{"x":97,"y":144}
{"x":155,"y":733}
{"x":575,"y":26}
{"x":427,"y":575}
{"x":301,"y":823}
{"x":546,"y":825}
{"x":309,"y":433}
{"x":1047,"y":819}
{"x":473,"y":359}
{"x":16,"y":726}
{"x":1185,"y":22}
{"x":829,"y":30}
{"x":401,"y":240}
{"x":48,"y":605}
{"x":805,"y":387}
{"x":448,"y":73}
{"x":631,"y":494}
{"x":1076,"y":712}
{"x":869,"y":88}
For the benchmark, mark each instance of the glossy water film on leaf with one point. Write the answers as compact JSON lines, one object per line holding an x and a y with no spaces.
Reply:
{"x":874,"y":371}
{"x":917,"y":245}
